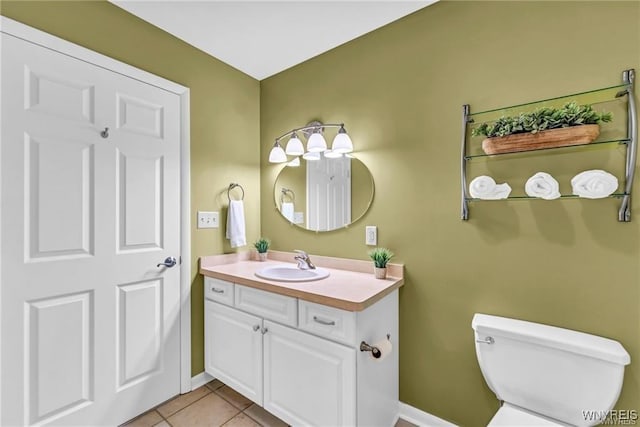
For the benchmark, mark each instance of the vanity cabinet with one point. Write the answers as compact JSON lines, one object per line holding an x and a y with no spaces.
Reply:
{"x":301,"y":360}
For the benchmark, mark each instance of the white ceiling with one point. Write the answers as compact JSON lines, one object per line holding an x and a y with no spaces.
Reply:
{"x":262,"y":38}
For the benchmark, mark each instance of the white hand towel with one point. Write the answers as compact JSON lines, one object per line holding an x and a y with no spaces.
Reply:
{"x":542,"y":185}
{"x":287,"y":210}
{"x":484,"y":187}
{"x":235,"y":224}
{"x":594,"y":184}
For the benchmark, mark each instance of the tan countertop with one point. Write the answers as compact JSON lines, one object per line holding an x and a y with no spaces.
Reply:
{"x":351,"y":285}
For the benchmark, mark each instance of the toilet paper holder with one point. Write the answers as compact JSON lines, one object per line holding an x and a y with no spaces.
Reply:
{"x":375,"y":351}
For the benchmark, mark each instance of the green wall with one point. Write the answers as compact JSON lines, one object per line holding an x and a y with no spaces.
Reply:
{"x":224,"y":114}
{"x":399,"y":90}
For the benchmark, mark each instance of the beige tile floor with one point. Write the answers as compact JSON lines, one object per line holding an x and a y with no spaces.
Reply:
{"x":212,"y":405}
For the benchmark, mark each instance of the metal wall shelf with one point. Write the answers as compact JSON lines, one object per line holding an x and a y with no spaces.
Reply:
{"x":591,"y":97}
{"x":563,"y":196}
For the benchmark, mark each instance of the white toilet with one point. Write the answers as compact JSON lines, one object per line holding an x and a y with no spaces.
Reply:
{"x":547,"y":376}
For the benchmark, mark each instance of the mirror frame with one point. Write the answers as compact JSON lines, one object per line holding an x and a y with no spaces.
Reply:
{"x":371,"y":198}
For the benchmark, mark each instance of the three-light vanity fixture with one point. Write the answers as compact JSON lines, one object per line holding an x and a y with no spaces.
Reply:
{"x":316,"y":144}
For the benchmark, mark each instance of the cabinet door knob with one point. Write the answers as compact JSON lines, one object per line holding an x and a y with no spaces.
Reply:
{"x":264,"y":331}
{"x":256,"y":327}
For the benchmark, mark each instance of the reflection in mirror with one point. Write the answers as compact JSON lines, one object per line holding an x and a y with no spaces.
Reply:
{"x":325,"y":194}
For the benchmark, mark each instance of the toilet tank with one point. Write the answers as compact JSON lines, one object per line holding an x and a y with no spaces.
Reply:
{"x":555,"y":372}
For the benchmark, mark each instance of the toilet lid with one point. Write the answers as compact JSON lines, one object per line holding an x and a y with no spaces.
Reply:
{"x":512,"y":416}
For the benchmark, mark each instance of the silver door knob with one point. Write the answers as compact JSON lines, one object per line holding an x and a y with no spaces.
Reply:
{"x":168,"y":262}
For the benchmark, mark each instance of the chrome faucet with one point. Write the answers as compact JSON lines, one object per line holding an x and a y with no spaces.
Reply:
{"x":304,"y":262}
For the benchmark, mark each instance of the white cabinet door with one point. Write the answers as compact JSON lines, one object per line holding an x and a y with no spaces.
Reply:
{"x":308,"y":380}
{"x":233,"y":349}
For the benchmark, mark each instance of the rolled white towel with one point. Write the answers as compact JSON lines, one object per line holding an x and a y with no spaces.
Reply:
{"x":542,"y":185}
{"x":594,"y":184}
{"x":484,"y":187}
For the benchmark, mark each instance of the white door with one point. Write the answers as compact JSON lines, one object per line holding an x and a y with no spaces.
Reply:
{"x":89,"y":324}
{"x":308,"y":380}
{"x":233,"y":349}
{"x":328,"y":193}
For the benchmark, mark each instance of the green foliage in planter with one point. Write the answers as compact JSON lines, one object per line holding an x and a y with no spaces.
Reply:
{"x":570,"y":114}
{"x":262,"y":245}
{"x":380,"y":256}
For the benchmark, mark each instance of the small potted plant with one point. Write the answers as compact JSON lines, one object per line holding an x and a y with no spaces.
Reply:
{"x":380,"y":257}
{"x":262,"y":246}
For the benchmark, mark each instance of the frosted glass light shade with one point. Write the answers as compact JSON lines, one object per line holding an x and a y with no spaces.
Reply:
{"x":311,"y":156}
{"x":294,"y":163}
{"x":277,"y":154}
{"x":342,"y":143}
{"x":332,"y":154}
{"x":294,"y":146}
{"x":316,"y":143}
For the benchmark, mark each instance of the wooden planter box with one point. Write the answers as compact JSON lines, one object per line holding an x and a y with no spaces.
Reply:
{"x":551,"y":138}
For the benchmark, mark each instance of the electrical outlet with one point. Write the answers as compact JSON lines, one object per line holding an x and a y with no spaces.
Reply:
{"x":371,"y":235}
{"x":208,"y":219}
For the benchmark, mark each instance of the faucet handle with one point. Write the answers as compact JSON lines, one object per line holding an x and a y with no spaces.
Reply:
{"x":303,"y":253}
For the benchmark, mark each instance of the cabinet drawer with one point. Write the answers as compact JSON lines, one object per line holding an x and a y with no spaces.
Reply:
{"x":278,"y":308}
{"x":218,"y":290}
{"x":333,"y":323}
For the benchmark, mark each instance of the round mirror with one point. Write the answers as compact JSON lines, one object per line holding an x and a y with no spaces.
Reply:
{"x":324,"y":194}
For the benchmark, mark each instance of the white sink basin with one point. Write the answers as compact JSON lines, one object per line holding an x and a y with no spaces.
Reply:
{"x":287,"y":273}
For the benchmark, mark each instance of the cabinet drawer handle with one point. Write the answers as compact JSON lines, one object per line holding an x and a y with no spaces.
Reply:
{"x":323,"y":322}
{"x":255,"y":328}
{"x":264,"y":330}
{"x":217,"y":290}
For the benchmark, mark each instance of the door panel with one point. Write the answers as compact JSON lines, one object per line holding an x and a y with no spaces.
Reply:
{"x":57,"y":170}
{"x":139,"y":202}
{"x":51,"y":362}
{"x":140,"y":328}
{"x":90,"y":331}
{"x":51,"y":94}
{"x":139,"y":116}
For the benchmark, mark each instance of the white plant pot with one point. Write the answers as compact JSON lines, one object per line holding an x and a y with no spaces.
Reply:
{"x":380,"y":273}
{"x":262,"y":256}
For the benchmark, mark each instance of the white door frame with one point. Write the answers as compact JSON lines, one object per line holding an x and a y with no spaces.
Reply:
{"x":30,"y":34}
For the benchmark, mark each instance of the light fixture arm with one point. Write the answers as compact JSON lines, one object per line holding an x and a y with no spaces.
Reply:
{"x":309,"y":127}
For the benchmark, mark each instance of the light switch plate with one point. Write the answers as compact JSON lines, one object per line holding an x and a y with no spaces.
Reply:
{"x":371,"y":235}
{"x":208,"y":219}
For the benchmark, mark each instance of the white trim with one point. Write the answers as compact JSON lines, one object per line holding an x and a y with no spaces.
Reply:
{"x":421,"y":418}
{"x":201,"y":379}
{"x":32,"y":35}
{"x":185,"y":244}
{"x":46,"y":40}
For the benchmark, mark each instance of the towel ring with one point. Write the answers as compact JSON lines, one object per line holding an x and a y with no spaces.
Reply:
{"x":284,"y":192}
{"x":231,"y":187}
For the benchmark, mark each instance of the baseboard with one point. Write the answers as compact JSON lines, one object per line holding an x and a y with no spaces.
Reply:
{"x":199,"y":380}
{"x":406,"y":412}
{"x":421,"y":418}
